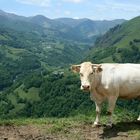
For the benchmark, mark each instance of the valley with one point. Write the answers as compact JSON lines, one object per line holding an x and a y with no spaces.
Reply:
{"x":36,"y":82}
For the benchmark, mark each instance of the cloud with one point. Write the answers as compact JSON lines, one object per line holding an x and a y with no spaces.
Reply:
{"x":118,"y":6}
{"x":127,"y":8}
{"x":67,"y":13}
{"x":76,"y":17}
{"x":42,"y":3}
{"x":74,"y":1}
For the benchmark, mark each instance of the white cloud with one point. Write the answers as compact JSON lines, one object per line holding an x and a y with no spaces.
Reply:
{"x":127,"y":8}
{"x":112,"y":5}
{"x":76,"y":17}
{"x":74,"y":1}
{"x":67,"y":12}
{"x":42,"y":3}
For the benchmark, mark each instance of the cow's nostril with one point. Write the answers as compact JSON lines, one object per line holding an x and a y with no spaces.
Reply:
{"x":85,"y":86}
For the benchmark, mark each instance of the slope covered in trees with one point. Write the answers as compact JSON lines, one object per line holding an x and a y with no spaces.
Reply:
{"x":34,"y":63}
{"x":120,"y":44}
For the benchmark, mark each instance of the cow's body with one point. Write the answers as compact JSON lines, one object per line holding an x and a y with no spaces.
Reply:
{"x":122,"y":80}
{"x":109,"y":82}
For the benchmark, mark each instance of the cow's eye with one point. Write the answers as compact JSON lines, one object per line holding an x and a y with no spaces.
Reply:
{"x":81,"y":74}
{"x":91,"y":73}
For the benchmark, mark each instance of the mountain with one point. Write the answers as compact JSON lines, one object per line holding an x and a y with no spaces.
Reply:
{"x":47,"y":44}
{"x":82,"y":30}
{"x":77,"y":29}
{"x":35,"y":53}
{"x":88,"y":29}
{"x":33,"y":79}
{"x":23,"y":41}
{"x":56,"y":42}
{"x":119,"y":44}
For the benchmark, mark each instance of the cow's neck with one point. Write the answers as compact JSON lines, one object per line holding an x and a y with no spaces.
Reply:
{"x":96,"y":92}
{"x":97,"y":80}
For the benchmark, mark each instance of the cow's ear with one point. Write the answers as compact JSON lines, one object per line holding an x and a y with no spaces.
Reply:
{"x":76,"y":68}
{"x":97,"y":68}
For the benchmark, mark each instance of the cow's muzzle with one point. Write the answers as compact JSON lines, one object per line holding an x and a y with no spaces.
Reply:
{"x":85,"y":87}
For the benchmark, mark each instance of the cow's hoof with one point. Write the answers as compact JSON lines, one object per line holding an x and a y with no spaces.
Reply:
{"x":138,"y":119}
{"x":96,"y":125}
{"x":109,"y":125}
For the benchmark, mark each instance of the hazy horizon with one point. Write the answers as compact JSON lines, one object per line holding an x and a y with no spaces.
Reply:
{"x":76,"y":9}
{"x":61,"y":17}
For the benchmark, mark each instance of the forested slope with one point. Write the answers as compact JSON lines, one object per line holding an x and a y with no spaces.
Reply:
{"x":35,"y":80}
{"x":120,"y":44}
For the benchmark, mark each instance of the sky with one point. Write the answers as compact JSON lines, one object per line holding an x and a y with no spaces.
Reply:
{"x":93,"y":9}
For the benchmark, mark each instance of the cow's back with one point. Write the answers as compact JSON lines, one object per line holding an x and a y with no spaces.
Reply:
{"x":122,"y":78}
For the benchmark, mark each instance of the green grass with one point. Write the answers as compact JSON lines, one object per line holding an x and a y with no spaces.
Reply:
{"x":32,"y":94}
{"x":17,"y":106}
{"x":107,"y":59}
{"x":118,"y":37}
{"x":12,"y":98}
{"x":57,"y":125}
{"x":76,"y":127}
{"x":13,"y":53}
{"x":120,"y":115}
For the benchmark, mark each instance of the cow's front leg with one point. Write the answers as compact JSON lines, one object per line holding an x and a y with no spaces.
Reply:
{"x":98,"y":112}
{"x":111,"y":106}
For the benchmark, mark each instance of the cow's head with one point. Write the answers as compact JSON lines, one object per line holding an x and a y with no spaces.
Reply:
{"x":87,"y":72}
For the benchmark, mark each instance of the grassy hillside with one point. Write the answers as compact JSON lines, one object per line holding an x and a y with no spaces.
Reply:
{"x":29,"y":66}
{"x":31,"y":62}
{"x":119,"y":44}
{"x":34,"y":76}
{"x":52,"y":94}
{"x":72,"y":128}
{"x":33,"y":82}
{"x":49,"y":51}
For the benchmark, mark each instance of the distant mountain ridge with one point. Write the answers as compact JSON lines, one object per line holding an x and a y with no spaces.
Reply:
{"x":36,"y":52}
{"x":120,"y":44}
{"x":83,"y":30}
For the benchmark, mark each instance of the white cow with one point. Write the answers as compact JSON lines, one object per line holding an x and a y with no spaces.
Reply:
{"x":109,"y":82}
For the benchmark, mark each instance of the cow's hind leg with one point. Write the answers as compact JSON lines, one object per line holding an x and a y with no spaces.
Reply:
{"x":111,"y":105}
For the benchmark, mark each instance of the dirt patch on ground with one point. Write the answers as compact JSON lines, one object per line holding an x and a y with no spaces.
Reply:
{"x":120,"y":131}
